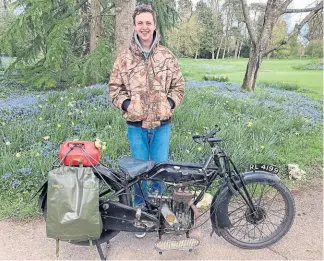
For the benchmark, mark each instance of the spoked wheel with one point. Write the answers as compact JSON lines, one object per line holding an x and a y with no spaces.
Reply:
{"x":271,"y":220}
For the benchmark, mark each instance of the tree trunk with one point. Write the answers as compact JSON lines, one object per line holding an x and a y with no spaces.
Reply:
{"x":236,"y":49}
{"x":220,"y":45}
{"x":85,"y":18}
{"x":239,"y":51}
{"x":224,"y":48}
{"x":4,"y":12}
{"x":213,"y":49}
{"x":252,"y":69}
{"x":95,"y":24}
{"x":197,"y":52}
{"x":124,"y":23}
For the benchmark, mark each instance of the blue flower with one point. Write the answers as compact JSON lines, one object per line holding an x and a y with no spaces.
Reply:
{"x":6,"y":175}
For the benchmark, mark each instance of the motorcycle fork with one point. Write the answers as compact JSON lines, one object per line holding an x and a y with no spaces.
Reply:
{"x":232,"y":184}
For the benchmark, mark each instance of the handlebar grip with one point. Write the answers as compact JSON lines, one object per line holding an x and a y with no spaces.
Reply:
{"x":196,"y":136}
{"x":213,"y":132}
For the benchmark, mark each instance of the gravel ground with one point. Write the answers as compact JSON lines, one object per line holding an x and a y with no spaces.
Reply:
{"x":27,"y":240}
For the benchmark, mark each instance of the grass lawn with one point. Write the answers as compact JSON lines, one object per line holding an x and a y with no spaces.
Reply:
{"x":271,"y":71}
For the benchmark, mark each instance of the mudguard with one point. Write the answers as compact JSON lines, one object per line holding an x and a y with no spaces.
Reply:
{"x":218,"y":211}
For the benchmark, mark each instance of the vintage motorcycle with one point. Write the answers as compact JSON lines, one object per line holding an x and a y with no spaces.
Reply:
{"x":250,"y":210}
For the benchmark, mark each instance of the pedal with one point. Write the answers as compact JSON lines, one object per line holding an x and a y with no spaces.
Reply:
{"x":181,"y":244}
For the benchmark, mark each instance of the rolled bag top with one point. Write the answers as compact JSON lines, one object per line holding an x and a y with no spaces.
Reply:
{"x":219,"y":202}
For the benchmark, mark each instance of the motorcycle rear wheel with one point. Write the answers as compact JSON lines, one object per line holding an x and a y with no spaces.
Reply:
{"x":275,"y":212}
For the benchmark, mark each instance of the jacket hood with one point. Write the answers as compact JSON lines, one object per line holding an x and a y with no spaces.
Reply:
{"x":136,"y":47}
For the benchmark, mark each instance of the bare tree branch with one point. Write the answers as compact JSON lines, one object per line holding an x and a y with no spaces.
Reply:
{"x":248,"y":21}
{"x":285,"y":5}
{"x":304,"y":10}
{"x":297,"y":28}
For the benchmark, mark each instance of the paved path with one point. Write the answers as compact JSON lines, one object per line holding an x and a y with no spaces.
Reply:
{"x":304,"y":241}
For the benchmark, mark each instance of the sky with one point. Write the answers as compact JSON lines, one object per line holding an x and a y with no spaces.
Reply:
{"x":292,"y":18}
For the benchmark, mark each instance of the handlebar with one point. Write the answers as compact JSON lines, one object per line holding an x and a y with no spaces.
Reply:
{"x":209,"y":136}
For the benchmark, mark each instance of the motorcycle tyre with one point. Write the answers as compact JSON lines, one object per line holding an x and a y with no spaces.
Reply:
{"x":284,"y":191}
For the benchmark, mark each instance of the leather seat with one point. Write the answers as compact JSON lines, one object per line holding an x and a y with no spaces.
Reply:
{"x":135,"y":167}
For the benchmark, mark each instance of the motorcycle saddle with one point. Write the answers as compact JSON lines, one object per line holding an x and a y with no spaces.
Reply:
{"x":135,"y":167}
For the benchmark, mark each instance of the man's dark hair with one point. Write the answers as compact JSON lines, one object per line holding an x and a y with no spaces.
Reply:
{"x":144,"y":9}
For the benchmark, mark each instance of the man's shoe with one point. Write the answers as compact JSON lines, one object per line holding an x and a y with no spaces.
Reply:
{"x":140,"y":234}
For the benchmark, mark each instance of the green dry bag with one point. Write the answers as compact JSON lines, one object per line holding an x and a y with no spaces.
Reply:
{"x":73,"y":204}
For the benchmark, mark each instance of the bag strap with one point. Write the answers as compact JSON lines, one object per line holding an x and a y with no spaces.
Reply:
{"x":91,"y":249}
{"x":57,"y":248}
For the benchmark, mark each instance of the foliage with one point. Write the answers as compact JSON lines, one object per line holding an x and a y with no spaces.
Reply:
{"x":216,"y":78}
{"x":182,"y":43}
{"x":315,"y":48}
{"x":185,"y":10}
{"x":316,"y":65}
{"x":50,"y":43}
{"x":30,"y":134}
{"x":315,"y":28}
{"x":278,"y":33}
{"x":212,"y":27}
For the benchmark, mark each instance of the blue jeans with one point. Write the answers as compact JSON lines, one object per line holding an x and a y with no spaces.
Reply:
{"x":149,"y":144}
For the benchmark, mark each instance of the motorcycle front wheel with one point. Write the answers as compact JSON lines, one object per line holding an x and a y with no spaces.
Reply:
{"x":272,"y":219}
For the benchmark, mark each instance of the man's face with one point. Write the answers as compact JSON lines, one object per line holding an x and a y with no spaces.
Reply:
{"x":144,"y":27}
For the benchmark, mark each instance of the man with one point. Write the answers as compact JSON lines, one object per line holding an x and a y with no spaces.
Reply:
{"x":146,"y":85}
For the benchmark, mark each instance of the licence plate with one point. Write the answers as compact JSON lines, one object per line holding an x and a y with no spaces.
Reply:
{"x":264,"y":167}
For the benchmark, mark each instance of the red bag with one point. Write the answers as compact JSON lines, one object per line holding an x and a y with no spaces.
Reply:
{"x":76,"y":153}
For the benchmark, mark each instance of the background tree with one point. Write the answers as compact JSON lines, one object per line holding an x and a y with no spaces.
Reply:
{"x":183,"y":43}
{"x":314,"y":35}
{"x":260,"y":39}
{"x":95,"y":21}
{"x":50,"y":41}
{"x":211,"y":29}
{"x":279,"y":32}
{"x":124,"y":22}
{"x":184,"y":10}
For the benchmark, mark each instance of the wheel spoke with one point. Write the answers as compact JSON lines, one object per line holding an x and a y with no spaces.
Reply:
{"x":230,"y":213}
{"x":262,"y":191}
{"x":275,"y":214}
{"x":239,"y":226}
{"x":266,"y":222}
{"x":238,"y":220}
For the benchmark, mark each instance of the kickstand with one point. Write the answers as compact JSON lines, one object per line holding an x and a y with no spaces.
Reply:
{"x":102,"y":257}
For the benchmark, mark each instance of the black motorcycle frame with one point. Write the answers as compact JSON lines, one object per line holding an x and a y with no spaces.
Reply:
{"x":121,"y":214}
{"x":223,"y":168}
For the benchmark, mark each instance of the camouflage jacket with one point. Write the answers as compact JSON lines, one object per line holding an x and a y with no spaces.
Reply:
{"x":147,"y":82}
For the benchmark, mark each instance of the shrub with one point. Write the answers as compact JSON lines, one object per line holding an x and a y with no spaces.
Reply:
{"x":216,"y":78}
{"x":310,"y":66}
{"x":280,"y":85}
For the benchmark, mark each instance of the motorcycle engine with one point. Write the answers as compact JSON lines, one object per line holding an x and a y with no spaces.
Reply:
{"x":176,"y":211}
